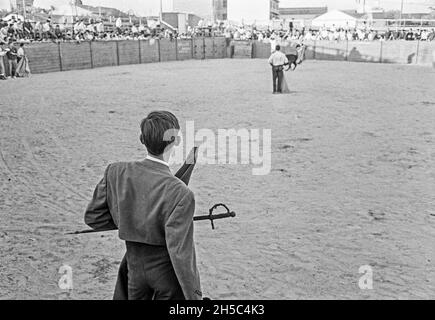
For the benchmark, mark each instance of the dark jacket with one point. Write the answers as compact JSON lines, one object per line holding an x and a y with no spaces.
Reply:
{"x":149,"y":205}
{"x":12,"y":53}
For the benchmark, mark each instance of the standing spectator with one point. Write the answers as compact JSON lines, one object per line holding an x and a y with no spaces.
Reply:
{"x":12,"y":59}
{"x":2,"y":66}
{"x":23,"y":69}
{"x":20,"y":52}
{"x":100,"y":27}
{"x":118,"y":25}
{"x":27,"y":29}
{"x":291,"y":25}
{"x":3,"y":32}
{"x":46,"y":29}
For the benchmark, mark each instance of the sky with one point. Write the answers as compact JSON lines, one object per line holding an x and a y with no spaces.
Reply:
{"x":151,"y":7}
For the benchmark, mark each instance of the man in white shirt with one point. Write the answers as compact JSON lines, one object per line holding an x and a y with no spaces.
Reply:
{"x":2,"y":65}
{"x":278,"y":60}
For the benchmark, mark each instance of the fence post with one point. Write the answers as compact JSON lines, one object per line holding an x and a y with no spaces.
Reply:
{"x":92,"y":55}
{"x":158,"y":46}
{"x":381,"y":52}
{"x":140,"y":52}
{"x":214,"y":48}
{"x":117,"y":52}
{"x":346,"y":57}
{"x":60,"y":56}
{"x":203,"y":47}
{"x":314,"y":49}
{"x":192,"y":48}
{"x":176,"y":49}
{"x":418,"y":52}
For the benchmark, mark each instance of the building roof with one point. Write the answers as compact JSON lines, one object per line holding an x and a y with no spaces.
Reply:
{"x":67,"y":10}
{"x":303,"y":11}
{"x":105,"y":11}
{"x":335,"y":17}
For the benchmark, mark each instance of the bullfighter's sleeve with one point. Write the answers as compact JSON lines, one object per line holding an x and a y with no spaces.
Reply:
{"x":181,"y":247}
{"x":97,"y":215}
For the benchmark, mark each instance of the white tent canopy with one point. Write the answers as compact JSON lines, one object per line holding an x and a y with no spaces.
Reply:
{"x":335,"y":18}
{"x":67,"y":10}
{"x":48,"y":4}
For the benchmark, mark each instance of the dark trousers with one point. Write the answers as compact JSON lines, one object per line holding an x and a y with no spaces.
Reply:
{"x":277,"y":79}
{"x":12,"y":68}
{"x":146,"y":273}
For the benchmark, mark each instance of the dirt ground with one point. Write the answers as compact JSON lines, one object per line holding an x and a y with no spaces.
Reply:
{"x":352,"y":181}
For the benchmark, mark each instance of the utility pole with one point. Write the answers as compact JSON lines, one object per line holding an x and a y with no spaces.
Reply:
{"x":24,"y":9}
{"x":401,"y":12}
{"x":161,"y":12}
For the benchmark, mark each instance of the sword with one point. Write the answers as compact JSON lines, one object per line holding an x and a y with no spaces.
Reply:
{"x":210,"y":216}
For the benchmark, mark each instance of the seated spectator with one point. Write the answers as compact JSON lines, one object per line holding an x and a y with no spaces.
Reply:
{"x":58,"y":33}
{"x":424,"y":35}
{"x":410,"y":36}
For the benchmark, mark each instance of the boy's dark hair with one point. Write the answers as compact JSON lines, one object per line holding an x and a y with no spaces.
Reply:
{"x":158,"y":131}
{"x":278,"y":47}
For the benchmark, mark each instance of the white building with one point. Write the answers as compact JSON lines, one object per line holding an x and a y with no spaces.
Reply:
{"x":252,"y":11}
{"x":202,"y":8}
{"x":335,"y":18}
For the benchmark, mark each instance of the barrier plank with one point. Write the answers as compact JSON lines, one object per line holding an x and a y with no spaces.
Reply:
{"x":75,"y":56}
{"x":149,"y":51}
{"x":198,"y":48}
{"x":168,"y":50}
{"x":220,"y":47}
{"x":404,"y":52}
{"x":209,"y":48}
{"x":128,"y":52}
{"x":329,"y":50}
{"x":242,"y":49}
{"x":261,"y":50}
{"x":184,"y":49}
{"x":424,"y":56}
{"x":43,"y":57}
{"x":104,"y":54}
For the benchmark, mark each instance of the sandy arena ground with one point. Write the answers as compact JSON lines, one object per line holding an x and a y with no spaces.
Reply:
{"x":352,"y":183}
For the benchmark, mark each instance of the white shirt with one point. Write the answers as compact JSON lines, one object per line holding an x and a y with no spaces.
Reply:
{"x":273,"y":45}
{"x":278,"y":59}
{"x":157,"y":160}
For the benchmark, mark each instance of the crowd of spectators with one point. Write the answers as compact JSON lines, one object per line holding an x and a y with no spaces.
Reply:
{"x":96,"y":29}
{"x":90,"y":30}
{"x":16,"y":60}
{"x":332,"y":34}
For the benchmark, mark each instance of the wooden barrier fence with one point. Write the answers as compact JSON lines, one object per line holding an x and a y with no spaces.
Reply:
{"x":63,"y":56}
{"x":400,"y":52}
{"x":52,"y":57}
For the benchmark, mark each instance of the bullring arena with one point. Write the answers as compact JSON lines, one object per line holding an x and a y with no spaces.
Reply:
{"x":352,"y":179}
